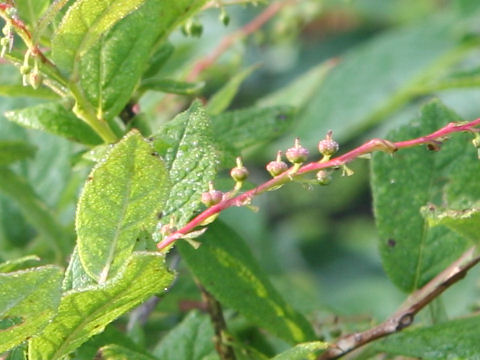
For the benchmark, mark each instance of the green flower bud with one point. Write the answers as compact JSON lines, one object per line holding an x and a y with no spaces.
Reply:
{"x":240,"y":172}
{"x":277,"y":166}
{"x":212,"y":196}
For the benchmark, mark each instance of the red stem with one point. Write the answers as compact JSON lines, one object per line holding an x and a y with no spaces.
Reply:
{"x":368,"y":147}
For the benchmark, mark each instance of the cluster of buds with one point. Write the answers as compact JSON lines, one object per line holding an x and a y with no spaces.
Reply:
{"x":7,"y":40}
{"x":31,"y":76}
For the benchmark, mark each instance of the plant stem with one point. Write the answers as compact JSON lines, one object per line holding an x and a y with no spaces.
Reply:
{"x":214,"y":309}
{"x":405,"y":315}
{"x":290,"y":175}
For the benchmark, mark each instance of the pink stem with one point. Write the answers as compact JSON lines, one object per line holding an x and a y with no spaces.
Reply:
{"x":368,"y":147}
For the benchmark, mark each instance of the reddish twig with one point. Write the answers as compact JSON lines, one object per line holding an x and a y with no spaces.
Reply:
{"x":404,"y":316}
{"x":369,"y":147}
{"x":228,"y":41}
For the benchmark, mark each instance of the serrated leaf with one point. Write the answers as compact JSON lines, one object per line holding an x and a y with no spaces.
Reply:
{"x":11,"y":151}
{"x":305,"y":351}
{"x":464,"y":222}
{"x":117,"y":352}
{"x":226,"y":268}
{"x":83,"y":25}
{"x":189,"y":340}
{"x":172,"y":86}
{"x":456,"y":339}
{"x":103,"y":82}
{"x":222,"y":99}
{"x":19,"y":263}
{"x":240,"y":129}
{"x":85,"y":313}
{"x":372,"y":78}
{"x":55,"y":119}
{"x":122,"y":197}
{"x":28,"y":300}
{"x":187,"y":146}
{"x":412,"y":253}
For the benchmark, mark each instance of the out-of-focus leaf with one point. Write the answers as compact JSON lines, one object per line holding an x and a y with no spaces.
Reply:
{"x":117,"y":352}
{"x":31,"y":10}
{"x":456,"y":339}
{"x":172,"y":86}
{"x":305,"y":351}
{"x":122,"y":197}
{"x":240,"y":129}
{"x":28,"y":300}
{"x":85,"y":313}
{"x":412,"y":253}
{"x":27,"y":91}
{"x":371,"y":78}
{"x":189,"y":340}
{"x":103,"y":82}
{"x":222,"y":99}
{"x":227,"y":269}
{"x":19,"y":264}
{"x":187,"y":146}
{"x":158,"y":59}
{"x":465,"y":222}
{"x":56,"y":119}
{"x":11,"y":151}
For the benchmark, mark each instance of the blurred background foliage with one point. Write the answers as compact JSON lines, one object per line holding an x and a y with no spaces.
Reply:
{"x":359,"y":68}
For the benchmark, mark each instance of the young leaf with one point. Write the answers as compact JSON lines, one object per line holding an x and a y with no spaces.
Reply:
{"x":186,"y":143}
{"x":122,"y":197}
{"x":304,"y":351}
{"x":28,"y":300}
{"x":456,"y":339}
{"x":117,"y":352}
{"x":85,"y":313}
{"x":243,"y":128}
{"x":55,"y":119}
{"x":189,"y":340}
{"x":103,"y":82}
{"x":464,"y":222}
{"x":227,"y":269}
{"x":83,"y":25}
{"x":412,"y":253}
{"x":222,"y":99}
{"x":11,"y":151}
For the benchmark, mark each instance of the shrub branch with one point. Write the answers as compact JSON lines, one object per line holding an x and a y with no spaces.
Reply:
{"x":432,"y":140}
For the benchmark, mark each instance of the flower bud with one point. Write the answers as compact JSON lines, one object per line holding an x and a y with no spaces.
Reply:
{"x":328,"y":146}
{"x":277,"y":166}
{"x":239,"y":173}
{"x":224,"y":17}
{"x":35,"y":79}
{"x":324,"y":177}
{"x":297,"y":154}
{"x":212,"y":196}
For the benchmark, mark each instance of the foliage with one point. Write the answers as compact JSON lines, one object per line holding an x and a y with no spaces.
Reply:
{"x":122,"y":141}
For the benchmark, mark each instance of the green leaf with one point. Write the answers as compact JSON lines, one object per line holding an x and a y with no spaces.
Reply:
{"x":222,"y":99}
{"x":240,"y":129}
{"x":412,"y":253}
{"x":227,"y":269}
{"x":376,"y":77}
{"x":35,"y":210}
{"x":122,"y":197}
{"x":103,"y":83}
{"x":300,"y":91}
{"x":11,"y":151}
{"x":31,"y":10}
{"x":464,"y":222}
{"x":19,"y":263}
{"x":83,"y":25}
{"x":27,"y":91}
{"x":75,"y":276}
{"x":456,"y":339}
{"x":117,"y":352}
{"x":85,"y":313}
{"x":28,"y":300}
{"x":158,"y":59}
{"x":172,"y":86}
{"x":187,"y":146}
{"x":189,"y":340}
{"x":305,"y":351}
{"x":56,"y":119}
